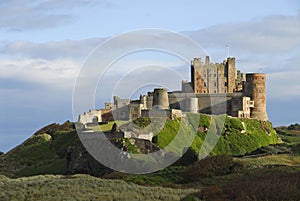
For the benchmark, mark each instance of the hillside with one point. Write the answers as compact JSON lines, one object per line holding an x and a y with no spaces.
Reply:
{"x":82,"y":187}
{"x":238,"y":136}
{"x":56,"y":149}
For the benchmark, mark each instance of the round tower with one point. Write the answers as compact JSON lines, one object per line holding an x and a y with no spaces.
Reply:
{"x":160,"y":99}
{"x":255,"y":88}
{"x":191,"y":105}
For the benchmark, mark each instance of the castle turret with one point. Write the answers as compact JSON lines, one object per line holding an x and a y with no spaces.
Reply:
{"x":191,"y":105}
{"x":256,"y":89}
{"x":160,"y":98}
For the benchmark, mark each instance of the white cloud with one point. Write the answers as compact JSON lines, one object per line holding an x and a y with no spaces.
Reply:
{"x":19,"y":15}
{"x":270,"y":35}
{"x":271,"y":43}
{"x":75,"y":49}
{"x":284,"y":85}
{"x":58,"y":73}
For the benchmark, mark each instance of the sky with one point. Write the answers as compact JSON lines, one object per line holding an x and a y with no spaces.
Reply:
{"x":44,"y":44}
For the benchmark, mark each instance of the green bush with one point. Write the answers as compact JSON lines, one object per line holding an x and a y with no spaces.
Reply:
{"x":208,"y":167}
{"x":189,"y":198}
{"x":188,"y":158}
{"x":142,"y":122}
{"x":294,"y":127}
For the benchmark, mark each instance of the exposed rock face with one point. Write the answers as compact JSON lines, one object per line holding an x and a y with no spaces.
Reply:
{"x":81,"y":162}
{"x":145,"y":146}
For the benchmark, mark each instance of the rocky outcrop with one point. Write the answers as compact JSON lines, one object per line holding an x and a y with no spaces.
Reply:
{"x":79,"y":161}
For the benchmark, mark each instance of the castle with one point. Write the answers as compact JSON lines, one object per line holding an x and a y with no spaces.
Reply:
{"x":215,"y":88}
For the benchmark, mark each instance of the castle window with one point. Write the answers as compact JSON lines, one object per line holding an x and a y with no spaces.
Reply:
{"x":225,"y":84}
{"x":215,"y":84}
{"x":215,"y":75}
{"x":205,"y":84}
{"x":204,"y":91}
{"x":215,"y":91}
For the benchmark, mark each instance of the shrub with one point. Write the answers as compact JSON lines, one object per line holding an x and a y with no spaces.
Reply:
{"x":267,"y":187}
{"x":142,"y":122}
{"x":115,"y":175}
{"x":188,"y":158}
{"x":294,"y":127}
{"x":189,"y":198}
{"x":210,"y":166}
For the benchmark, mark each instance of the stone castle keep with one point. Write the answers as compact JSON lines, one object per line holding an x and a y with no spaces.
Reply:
{"x":215,"y":88}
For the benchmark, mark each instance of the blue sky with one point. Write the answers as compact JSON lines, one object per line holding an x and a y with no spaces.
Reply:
{"x":43,"y":44}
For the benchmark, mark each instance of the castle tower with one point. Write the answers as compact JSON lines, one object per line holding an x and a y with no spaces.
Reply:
{"x":230,"y":73}
{"x":255,"y":88}
{"x":197,"y":81}
{"x":160,"y":98}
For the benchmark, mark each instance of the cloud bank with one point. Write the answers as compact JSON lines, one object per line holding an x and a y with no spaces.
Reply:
{"x":37,"y":79}
{"x":271,"y":43}
{"x":20,"y":15}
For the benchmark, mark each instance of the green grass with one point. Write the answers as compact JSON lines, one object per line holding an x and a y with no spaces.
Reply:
{"x":168,"y":133}
{"x":131,"y":148}
{"x":290,"y":137}
{"x":82,"y":187}
{"x":281,"y":159}
{"x":40,"y":154}
{"x":107,"y":127}
{"x":164,"y":177}
{"x":58,"y":166}
{"x":238,"y":137}
{"x":46,"y":153}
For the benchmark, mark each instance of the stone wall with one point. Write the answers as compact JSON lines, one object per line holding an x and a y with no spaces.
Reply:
{"x":92,"y":116}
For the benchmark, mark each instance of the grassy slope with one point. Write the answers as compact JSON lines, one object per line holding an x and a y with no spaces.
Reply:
{"x":40,"y":154}
{"x":82,"y":187}
{"x":236,"y":139}
{"x":252,"y":174}
{"x":46,"y":153}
